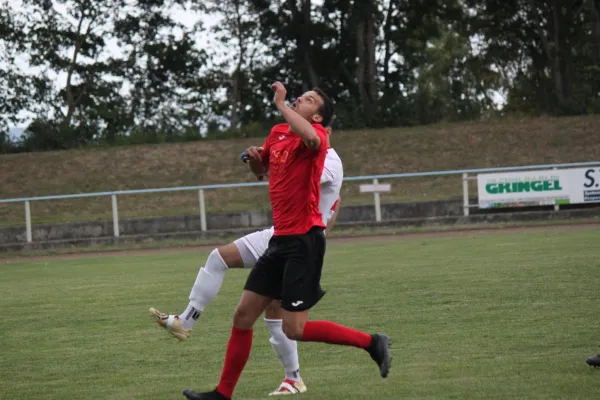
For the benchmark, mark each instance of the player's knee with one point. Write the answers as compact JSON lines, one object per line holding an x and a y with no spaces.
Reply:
{"x":215,"y":263}
{"x":293,"y":329}
{"x":243,"y":317}
{"x":274,"y":310}
{"x":230,"y":255}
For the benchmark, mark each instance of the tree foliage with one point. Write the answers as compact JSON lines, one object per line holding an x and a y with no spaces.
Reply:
{"x":81,"y":72}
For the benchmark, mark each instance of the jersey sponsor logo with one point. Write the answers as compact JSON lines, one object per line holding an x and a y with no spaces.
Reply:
{"x":279,"y":156}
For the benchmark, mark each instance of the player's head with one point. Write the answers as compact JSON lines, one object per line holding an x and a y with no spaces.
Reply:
{"x":315,"y":106}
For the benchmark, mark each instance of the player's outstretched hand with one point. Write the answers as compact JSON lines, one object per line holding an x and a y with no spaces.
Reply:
{"x":254,"y":153}
{"x":280,"y":92}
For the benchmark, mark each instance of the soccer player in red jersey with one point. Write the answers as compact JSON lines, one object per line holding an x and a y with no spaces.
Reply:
{"x":290,"y":269}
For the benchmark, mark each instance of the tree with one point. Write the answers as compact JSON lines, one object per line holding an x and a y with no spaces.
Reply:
{"x":363,"y":29}
{"x":127,"y":71}
{"x":238,"y":31}
{"x":67,"y":42}
{"x":544,"y":50}
{"x":89,"y":91}
{"x":19,"y":90}
{"x":161,"y":62}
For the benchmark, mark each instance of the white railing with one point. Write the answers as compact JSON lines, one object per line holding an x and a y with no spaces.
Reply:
{"x":374,"y":178}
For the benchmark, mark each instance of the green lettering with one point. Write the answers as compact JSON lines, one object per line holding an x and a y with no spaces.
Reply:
{"x":504,"y":188}
{"x":523,"y":187}
{"x":537,"y":186}
{"x":557,"y":185}
{"x":548,"y":185}
{"x":491,"y":188}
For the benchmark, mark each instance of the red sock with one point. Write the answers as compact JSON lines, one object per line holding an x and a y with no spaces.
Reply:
{"x":330,"y":332}
{"x":238,"y":352}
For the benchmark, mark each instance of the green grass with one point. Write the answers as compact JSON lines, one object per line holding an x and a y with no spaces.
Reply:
{"x":503,"y":315}
{"x":481,"y":144}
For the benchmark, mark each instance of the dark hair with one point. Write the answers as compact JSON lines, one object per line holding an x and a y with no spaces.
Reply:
{"x":326,"y":110}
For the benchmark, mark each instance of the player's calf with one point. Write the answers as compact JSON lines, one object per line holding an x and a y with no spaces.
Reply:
{"x":378,"y":346}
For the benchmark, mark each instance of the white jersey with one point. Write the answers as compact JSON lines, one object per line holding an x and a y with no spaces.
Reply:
{"x":331,"y":183}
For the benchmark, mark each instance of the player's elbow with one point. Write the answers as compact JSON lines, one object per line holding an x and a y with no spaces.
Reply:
{"x":311,"y":139}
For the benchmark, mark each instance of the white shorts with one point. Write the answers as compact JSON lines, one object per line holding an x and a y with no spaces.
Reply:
{"x":257,"y":243}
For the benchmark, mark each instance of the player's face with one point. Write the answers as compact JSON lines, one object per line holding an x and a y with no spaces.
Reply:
{"x":308,"y":106}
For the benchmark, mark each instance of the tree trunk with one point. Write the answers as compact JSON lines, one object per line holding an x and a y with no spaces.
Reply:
{"x":594,"y":7}
{"x":360,"y":61}
{"x":236,"y":81}
{"x":566,"y":54}
{"x":68,"y":85}
{"x":387,"y":31}
{"x":366,"y":68}
{"x":556,"y":53}
{"x":236,"y":97}
{"x":301,"y":17}
{"x":371,"y":71}
{"x":308,"y":65}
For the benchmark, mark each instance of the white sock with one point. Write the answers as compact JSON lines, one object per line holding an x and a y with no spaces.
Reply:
{"x":189,"y":316}
{"x":205,"y":289}
{"x":286,"y":349}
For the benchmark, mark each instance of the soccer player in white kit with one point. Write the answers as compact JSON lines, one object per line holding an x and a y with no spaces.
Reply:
{"x":243,"y":253}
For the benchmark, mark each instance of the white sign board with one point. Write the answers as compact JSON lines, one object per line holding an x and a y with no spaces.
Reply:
{"x":381,"y":187}
{"x":534,"y":188}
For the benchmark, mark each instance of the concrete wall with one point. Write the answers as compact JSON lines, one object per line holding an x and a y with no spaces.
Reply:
{"x":214,"y":236}
{"x":431,"y":213}
{"x":218,"y":221}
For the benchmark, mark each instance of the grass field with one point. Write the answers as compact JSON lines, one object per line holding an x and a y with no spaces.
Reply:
{"x":481,"y":144}
{"x":472,"y":316}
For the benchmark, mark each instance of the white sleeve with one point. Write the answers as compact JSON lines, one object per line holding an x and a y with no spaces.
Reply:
{"x":328,"y":175}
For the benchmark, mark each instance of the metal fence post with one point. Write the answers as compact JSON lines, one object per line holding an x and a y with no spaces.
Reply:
{"x":556,"y":206}
{"x":115,"y":215}
{"x":465,"y":179}
{"x":377,"y":201}
{"x":28,"y":222}
{"x":202,"y":210}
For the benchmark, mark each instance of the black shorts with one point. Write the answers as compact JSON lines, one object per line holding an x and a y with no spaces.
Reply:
{"x":290,"y":270}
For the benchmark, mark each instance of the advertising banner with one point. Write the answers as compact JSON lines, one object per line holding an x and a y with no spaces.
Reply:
{"x":535,"y":188}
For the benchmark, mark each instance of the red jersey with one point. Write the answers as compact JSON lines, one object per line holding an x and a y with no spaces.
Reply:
{"x":294,"y":179}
